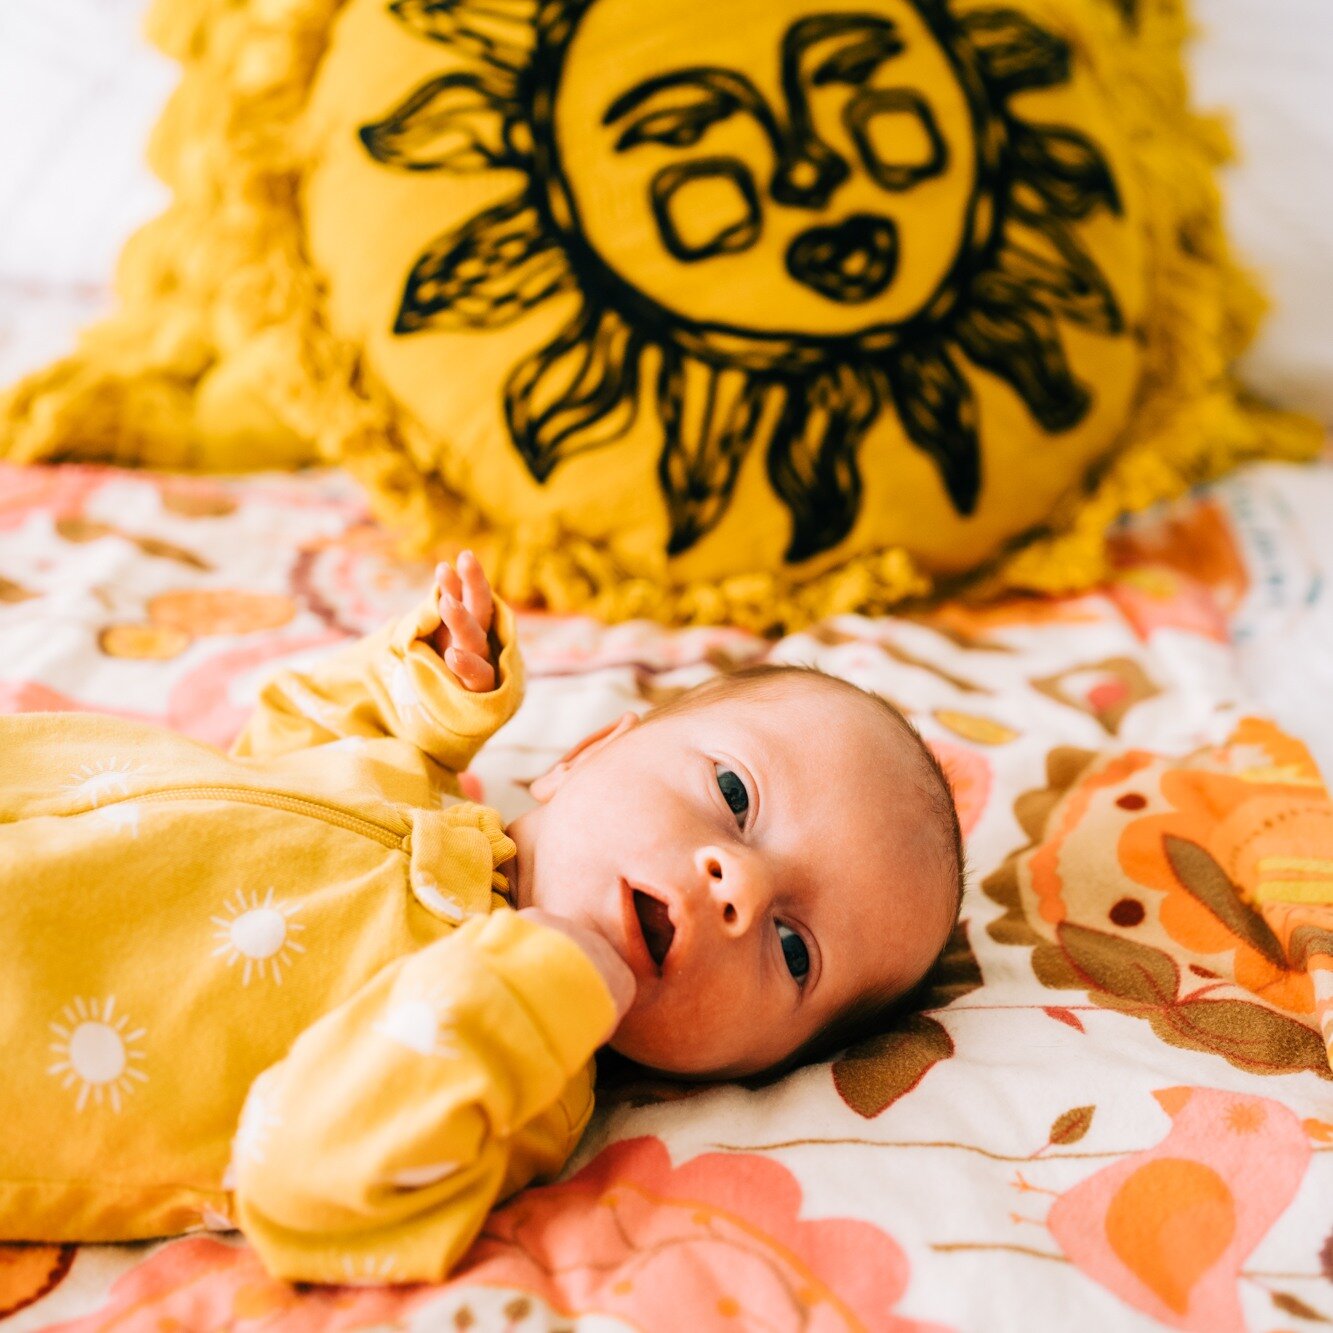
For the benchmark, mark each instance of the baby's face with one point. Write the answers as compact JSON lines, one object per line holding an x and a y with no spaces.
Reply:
{"x":758,"y":862}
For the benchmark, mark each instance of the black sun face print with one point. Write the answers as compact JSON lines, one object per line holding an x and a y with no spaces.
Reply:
{"x":787,"y":173}
{"x":804,"y":189}
{"x":779,"y":227}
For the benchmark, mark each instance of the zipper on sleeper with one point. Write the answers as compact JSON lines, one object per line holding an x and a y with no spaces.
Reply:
{"x":330,"y":814}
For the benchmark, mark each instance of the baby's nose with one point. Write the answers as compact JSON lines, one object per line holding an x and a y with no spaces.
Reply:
{"x":737,"y":885}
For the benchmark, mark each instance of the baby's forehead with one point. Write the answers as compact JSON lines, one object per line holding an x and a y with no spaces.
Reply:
{"x":789,"y":707}
{"x":817,"y":729}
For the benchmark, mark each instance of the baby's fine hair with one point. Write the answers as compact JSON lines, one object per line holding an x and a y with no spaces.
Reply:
{"x":867,"y":1014}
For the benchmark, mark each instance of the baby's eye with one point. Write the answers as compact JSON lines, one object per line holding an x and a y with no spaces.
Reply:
{"x":794,"y":952}
{"x":733,"y":790}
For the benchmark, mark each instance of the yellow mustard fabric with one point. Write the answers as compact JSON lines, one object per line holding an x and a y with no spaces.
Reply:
{"x":311,"y":927}
{"x":751,"y":313}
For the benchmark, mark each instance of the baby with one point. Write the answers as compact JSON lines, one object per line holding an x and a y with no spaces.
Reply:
{"x":398,"y":999}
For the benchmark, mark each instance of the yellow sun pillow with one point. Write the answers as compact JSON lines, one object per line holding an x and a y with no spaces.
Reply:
{"x":744,"y":310}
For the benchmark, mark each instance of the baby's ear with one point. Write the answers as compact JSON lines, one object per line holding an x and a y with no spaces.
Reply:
{"x":547,"y":784}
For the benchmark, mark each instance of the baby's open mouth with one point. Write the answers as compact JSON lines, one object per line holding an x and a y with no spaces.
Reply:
{"x":655,"y":922}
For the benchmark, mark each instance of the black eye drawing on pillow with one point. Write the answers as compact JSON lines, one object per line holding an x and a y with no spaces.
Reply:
{"x":771,"y":242}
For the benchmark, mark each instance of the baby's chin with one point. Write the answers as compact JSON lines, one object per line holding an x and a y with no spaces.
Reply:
{"x":686,"y":1063}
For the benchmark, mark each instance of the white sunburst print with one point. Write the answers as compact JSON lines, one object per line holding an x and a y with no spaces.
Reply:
{"x":98,"y":1052}
{"x":368,"y":1270}
{"x":258,"y":1120}
{"x":354,"y":745}
{"x":122,"y":817}
{"x":403,"y":690}
{"x":310,"y":705}
{"x":419,"y":1022}
{"x":419,"y":1177}
{"x":427,"y":890}
{"x":260,"y":933}
{"x":107,"y":777}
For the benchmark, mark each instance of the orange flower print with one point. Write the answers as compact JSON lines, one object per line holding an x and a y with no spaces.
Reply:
{"x":1153,"y":597}
{"x":977,"y":623}
{"x":1255,"y":813}
{"x":176,"y":618}
{"x":1184,"y":571}
{"x":29,"y":1272}
{"x":220,"y":611}
{"x":1162,"y":887}
{"x":1048,"y":884}
{"x":144,"y":643}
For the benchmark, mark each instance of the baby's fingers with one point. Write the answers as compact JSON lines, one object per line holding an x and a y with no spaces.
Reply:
{"x":447,"y":580}
{"x":475,"y":672}
{"x":476,"y":589}
{"x":464,"y":632}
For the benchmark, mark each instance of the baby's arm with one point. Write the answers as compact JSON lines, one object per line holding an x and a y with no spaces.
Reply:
{"x":377,"y":1148}
{"x":429,"y":678}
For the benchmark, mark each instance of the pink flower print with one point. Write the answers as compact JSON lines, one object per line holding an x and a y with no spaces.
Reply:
{"x":970,"y":777}
{"x":663,"y":1247}
{"x":203,"y":1283}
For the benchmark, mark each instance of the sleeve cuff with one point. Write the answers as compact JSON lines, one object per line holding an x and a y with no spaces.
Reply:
{"x":519,"y":950}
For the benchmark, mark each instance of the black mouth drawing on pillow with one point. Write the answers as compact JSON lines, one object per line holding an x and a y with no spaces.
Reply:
{"x":851,"y":262}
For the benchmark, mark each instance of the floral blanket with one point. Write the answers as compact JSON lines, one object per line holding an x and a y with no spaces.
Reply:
{"x":1116,"y":1107}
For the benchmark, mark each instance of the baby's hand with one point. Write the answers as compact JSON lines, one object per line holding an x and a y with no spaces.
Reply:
{"x":464,"y":598}
{"x":615,"y":971}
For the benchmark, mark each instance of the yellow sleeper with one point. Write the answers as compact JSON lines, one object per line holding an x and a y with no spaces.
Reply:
{"x":282,"y":987}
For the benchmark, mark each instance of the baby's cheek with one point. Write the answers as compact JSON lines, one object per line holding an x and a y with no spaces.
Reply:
{"x":682,"y":1030}
{"x":664,"y":1028}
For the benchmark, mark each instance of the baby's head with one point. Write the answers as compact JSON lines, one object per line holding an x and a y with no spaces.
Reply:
{"x":775,"y":854}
